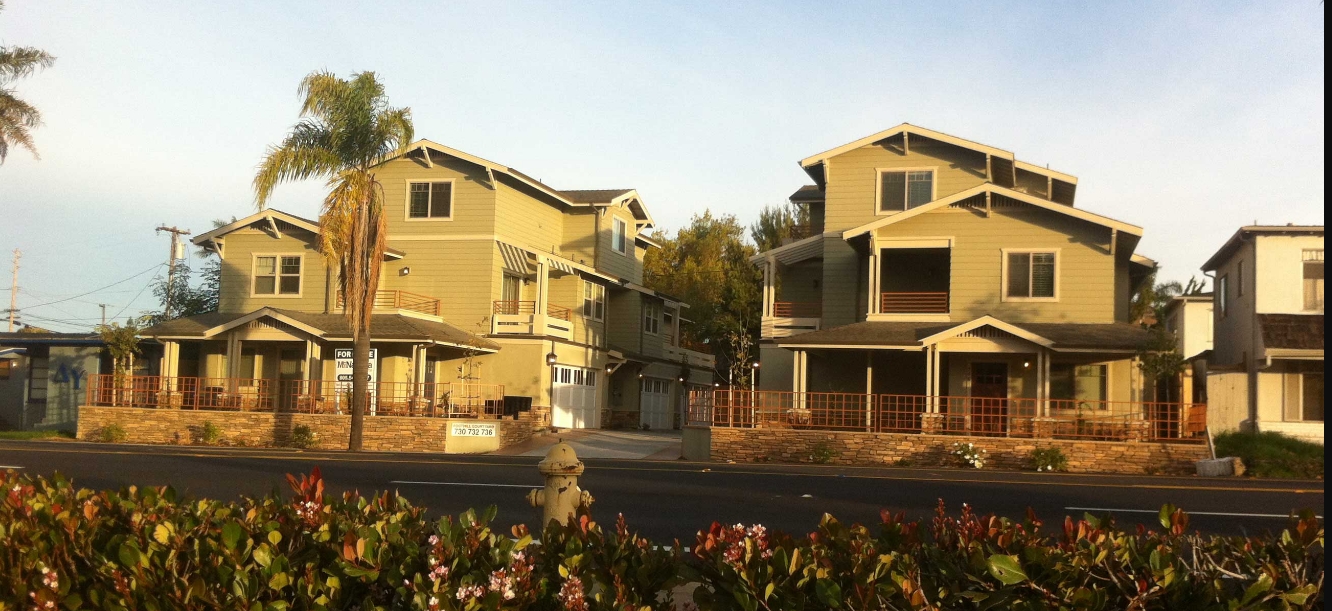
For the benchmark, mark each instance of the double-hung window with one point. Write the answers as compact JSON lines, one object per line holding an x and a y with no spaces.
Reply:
{"x":901,"y":190}
{"x":430,"y":200}
{"x":1031,"y":275}
{"x":620,"y":236}
{"x":652,"y":318}
{"x":1313,"y":280}
{"x":277,"y":275}
{"x":594,"y":301}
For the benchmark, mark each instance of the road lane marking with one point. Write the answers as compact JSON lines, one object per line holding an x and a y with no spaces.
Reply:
{"x":397,"y":481}
{"x":690,"y":469}
{"x":10,"y":467}
{"x":1192,"y":513}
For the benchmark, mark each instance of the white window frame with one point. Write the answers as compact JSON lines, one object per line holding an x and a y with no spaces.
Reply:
{"x":407,"y":200}
{"x":878,"y":187}
{"x":1307,"y":256}
{"x":593,"y":295}
{"x":652,"y":314}
{"x":622,"y":227}
{"x":277,"y":268}
{"x":1003,"y":280}
{"x":1222,"y":295}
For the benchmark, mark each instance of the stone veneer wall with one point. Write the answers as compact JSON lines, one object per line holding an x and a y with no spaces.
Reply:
{"x":381,"y":433}
{"x":852,"y":448}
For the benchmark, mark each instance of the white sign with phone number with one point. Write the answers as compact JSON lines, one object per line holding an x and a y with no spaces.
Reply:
{"x":461,"y":429}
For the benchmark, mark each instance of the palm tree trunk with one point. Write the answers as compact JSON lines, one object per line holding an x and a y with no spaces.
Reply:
{"x":360,"y":387}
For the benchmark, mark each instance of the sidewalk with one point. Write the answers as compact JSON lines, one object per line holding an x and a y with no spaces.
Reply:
{"x":649,"y":445}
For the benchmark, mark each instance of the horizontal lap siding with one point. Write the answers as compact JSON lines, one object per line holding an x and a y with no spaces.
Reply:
{"x":567,"y":292}
{"x":523,"y":217}
{"x":462,"y":274}
{"x":798,"y":282}
{"x":580,"y":236}
{"x":1086,"y":270}
{"x":842,"y":299}
{"x":852,"y":177}
{"x":238,"y":264}
{"x":623,"y":313}
{"x":473,"y":198}
{"x":610,"y":261}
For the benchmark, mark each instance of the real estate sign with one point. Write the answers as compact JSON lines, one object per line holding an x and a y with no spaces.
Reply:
{"x":342,"y":358}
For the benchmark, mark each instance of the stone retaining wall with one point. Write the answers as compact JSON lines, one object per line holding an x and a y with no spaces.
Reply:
{"x":381,"y":433}
{"x":852,"y":448}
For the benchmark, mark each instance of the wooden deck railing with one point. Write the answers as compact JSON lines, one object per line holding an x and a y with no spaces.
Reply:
{"x":797,"y":309}
{"x":950,"y":415}
{"x":935,"y":302}
{"x":403,"y":300}
{"x":445,"y":399}
{"x":513,"y":308}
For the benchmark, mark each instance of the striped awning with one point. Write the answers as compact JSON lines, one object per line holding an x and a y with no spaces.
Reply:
{"x":562,"y":265}
{"x":516,"y":259}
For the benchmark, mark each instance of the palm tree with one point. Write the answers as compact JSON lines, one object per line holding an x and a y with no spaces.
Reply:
{"x":17,"y":116}
{"x":347,"y":127}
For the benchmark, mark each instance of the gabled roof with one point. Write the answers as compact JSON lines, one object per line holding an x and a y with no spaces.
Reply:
{"x":807,"y":193}
{"x":211,"y":239}
{"x":1292,"y":331}
{"x":1110,"y":337}
{"x":332,"y":327}
{"x":795,"y":252}
{"x":613,"y":197}
{"x":997,"y":190}
{"x":986,"y":321}
{"x":1248,"y":231}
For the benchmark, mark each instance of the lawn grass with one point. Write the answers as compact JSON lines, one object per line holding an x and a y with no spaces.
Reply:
{"x":34,"y":434}
{"x":1270,"y":454}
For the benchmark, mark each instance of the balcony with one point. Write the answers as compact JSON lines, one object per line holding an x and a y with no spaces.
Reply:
{"x":521,"y":318}
{"x":792,"y":318}
{"x":402,"y":300}
{"x":929,"y":302}
{"x":689,"y":353}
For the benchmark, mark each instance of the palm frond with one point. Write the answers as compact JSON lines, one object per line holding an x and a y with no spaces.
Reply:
{"x":18,"y":62}
{"x":303,"y":154}
{"x":17,"y":118}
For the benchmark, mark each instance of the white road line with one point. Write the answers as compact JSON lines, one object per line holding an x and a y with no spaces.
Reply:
{"x":465,"y":484}
{"x":1192,"y":513}
{"x":2,"y":467}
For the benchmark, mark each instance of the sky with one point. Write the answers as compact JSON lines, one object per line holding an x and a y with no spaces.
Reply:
{"x":1188,"y":119}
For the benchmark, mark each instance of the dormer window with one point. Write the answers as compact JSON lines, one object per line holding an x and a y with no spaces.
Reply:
{"x":430,"y":201}
{"x":901,"y":190}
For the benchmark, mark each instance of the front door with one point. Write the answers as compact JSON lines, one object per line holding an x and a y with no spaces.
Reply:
{"x":989,"y":398}
{"x":291,"y":367}
{"x":655,"y":405}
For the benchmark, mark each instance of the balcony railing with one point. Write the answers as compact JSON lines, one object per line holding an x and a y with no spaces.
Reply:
{"x":447,"y":399}
{"x":402,"y":300}
{"x":797,"y":309}
{"x":934,"y":302}
{"x":514,"y":308}
{"x":951,"y":415}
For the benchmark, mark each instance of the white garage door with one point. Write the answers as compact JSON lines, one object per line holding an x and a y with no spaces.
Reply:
{"x":575,"y":398}
{"x":655,"y":404}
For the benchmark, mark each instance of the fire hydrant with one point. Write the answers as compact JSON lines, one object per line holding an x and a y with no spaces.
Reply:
{"x":560,"y":499}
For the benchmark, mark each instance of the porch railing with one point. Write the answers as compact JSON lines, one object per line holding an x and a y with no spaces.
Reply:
{"x":445,"y":399}
{"x":950,"y":415}
{"x":797,"y":309}
{"x":514,"y":308}
{"x":934,"y":302}
{"x":403,"y":300}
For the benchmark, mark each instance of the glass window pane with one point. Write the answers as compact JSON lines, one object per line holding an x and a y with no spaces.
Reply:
{"x":1313,"y":396}
{"x":1061,"y":381}
{"x":265,"y":285}
{"x":1042,"y":274}
{"x":441,"y":199}
{"x":892,"y":195}
{"x":1090,"y":384}
{"x":291,"y":265}
{"x":419,"y":206}
{"x":920,"y":188}
{"x":290,"y":285}
{"x":1019,"y":274}
{"x":265,"y":266}
{"x":1313,"y":285}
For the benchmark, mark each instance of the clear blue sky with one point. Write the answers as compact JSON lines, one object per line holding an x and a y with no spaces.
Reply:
{"x":1187,"y":119}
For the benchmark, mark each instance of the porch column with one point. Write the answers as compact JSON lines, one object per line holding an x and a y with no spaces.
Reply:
{"x":929,"y":379}
{"x":233,"y":355}
{"x":769,"y":294}
{"x":1043,"y":382}
{"x":875,"y":301}
{"x":169,"y":368}
{"x":543,"y":285}
{"x":313,"y":353}
{"x":869,"y":391}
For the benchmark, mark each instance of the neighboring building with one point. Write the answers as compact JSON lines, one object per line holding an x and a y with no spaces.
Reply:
{"x":944,"y":275}
{"x":1189,"y":319}
{"x":497,"y":293}
{"x":1266,"y":370}
{"x":44,"y":378}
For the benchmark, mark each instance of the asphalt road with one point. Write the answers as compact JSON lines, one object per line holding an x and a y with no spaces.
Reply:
{"x":675,"y":499}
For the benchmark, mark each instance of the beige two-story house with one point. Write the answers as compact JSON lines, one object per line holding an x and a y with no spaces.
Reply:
{"x":943,"y":276}
{"x":498,"y":294}
{"x":1265,"y":371}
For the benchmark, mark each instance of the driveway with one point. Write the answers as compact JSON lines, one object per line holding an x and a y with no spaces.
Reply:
{"x":598,"y":443}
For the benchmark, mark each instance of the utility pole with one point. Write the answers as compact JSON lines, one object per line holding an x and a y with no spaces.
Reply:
{"x":177,"y":252}
{"x":13,"y":290}
{"x":103,"y":306}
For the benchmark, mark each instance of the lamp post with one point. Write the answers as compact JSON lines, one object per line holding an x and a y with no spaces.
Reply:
{"x":753,"y":396}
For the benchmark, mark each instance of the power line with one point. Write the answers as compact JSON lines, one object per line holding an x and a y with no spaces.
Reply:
{"x":136,"y":297}
{"x":155,"y":266}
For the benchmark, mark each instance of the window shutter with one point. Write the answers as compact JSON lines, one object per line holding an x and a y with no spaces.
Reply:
{"x":892,"y":197}
{"x":441,"y":199}
{"x":1019,"y":274}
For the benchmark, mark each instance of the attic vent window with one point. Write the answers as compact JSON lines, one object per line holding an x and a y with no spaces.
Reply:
{"x":430,"y":200}
{"x":901,"y":190}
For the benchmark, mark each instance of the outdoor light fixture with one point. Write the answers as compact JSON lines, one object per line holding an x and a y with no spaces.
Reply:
{"x":755,"y":364}
{"x":610,"y":368}
{"x":680,"y":378}
{"x":404,"y":271}
{"x":1026,"y":364}
{"x":640,"y":375}
{"x":550,"y":358}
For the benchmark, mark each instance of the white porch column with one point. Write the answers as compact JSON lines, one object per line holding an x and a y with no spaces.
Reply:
{"x":169,"y":367}
{"x":769,"y":292}
{"x":543,"y":285}
{"x":313,"y":352}
{"x":929,"y":379}
{"x":875,"y":300}
{"x":1043,"y":381}
{"x":869,"y":391}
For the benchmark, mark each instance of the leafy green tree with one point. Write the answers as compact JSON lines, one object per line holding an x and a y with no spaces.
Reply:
{"x":192,"y":298}
{"x":706,"y":263}
{"x":775,"y":224}
{"x":18,"y":117}
{"x":346,"y":129}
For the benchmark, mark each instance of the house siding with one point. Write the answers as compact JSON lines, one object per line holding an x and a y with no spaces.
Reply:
{"x":473,"y":197}
{"x":851,"y":195}
{"x":243,"y":245}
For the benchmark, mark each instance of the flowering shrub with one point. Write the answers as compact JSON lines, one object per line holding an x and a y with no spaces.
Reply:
{"x":1048,"y":459}
{"x":146,"y":548}
{"x":969,"y":455}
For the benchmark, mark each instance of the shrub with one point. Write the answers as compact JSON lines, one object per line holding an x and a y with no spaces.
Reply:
{"x":302,"y":436}
{"x":113,"y":433}
{"x":209,"y":433}
{"x":1048,"y":459}
{"x":968,"y":455}
{"x":822,"y":453}
{"x":1271,"y":454}
{"x":149,"y":548}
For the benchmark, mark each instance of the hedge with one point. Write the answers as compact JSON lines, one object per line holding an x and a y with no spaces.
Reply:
{"x":151,"y":549}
